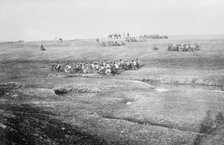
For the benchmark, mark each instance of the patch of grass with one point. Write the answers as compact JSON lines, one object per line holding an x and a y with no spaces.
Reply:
{"x":31,"y":125}
{"x":62,"y":91}
{"x":7,"y":87}
{"x":65,"y":90}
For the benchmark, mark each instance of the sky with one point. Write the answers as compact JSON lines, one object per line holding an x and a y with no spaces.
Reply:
{"x":71,"y":19}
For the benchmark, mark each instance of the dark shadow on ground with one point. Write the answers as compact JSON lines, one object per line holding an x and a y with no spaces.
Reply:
{"x":209,"y":127}
{"x":28,"y":125}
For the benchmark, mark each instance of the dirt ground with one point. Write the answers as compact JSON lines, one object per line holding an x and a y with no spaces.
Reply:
{"x":165,"y":102}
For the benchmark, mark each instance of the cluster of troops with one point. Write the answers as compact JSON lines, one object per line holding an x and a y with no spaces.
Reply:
{"x":156,"y":36}
{"x":113,"y":43}
{"x":116,"y":36}
{"x":131,"y":39}
{"x":184,"y":47}
{"x":102,"y":67}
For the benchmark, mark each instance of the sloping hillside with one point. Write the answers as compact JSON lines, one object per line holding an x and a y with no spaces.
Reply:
{"x":164,"y":102}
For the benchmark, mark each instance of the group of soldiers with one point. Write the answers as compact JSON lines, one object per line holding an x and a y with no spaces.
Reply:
{"x":113,"y":43}
{"x":116,"y":36}
{"x":102,"y":67}
{"x":185,"y":47}
{"x":155,"y":36}
{"x":131,"y":39}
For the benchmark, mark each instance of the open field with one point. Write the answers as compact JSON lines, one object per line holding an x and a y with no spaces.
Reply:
{"x":164,"y":102}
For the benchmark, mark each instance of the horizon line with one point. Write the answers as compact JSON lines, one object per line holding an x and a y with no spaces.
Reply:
{"x":81,"y":38}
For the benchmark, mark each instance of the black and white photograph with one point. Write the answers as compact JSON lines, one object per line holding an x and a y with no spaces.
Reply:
{"x":111,"y":72}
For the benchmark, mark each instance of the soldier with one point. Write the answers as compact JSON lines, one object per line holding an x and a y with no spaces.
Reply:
{"x":42,"y":47}
{"x":68,"y":68}
{"x":134,"y":64}
{"x":97,"y":40}
{"x":196,"y":46}
{"x":137,"y":63}
{"x":58,"y":66}
{"x":61,"y":40}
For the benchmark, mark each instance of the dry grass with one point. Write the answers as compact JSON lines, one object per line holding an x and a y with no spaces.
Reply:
{"x":121,"y":109}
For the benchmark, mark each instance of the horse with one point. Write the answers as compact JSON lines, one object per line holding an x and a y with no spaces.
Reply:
{"x":110,"y":36}
{"x":115,"y":36}
{"x":173,"y":48}
{"x":127,"y":66}
{"x":102,"y":70}
{"x":197,"y":47}
{"x":133,"y":66}
{"x":104,"y":44}
{"x":107,"y":71}
{"x":119,"y":36}
{"x":68,"y":69}
{"x":87,"y":69}
{"x":178,"y":47}
{"x":114,"y":70}
{"x":155,"y":48}
{"x":170,"y":47}
{"x":97,"y":40}
{"x":56,"y":67}
{"x":75,"y":69}
{"x":95,"y":67}
{"x":184,"y":48}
